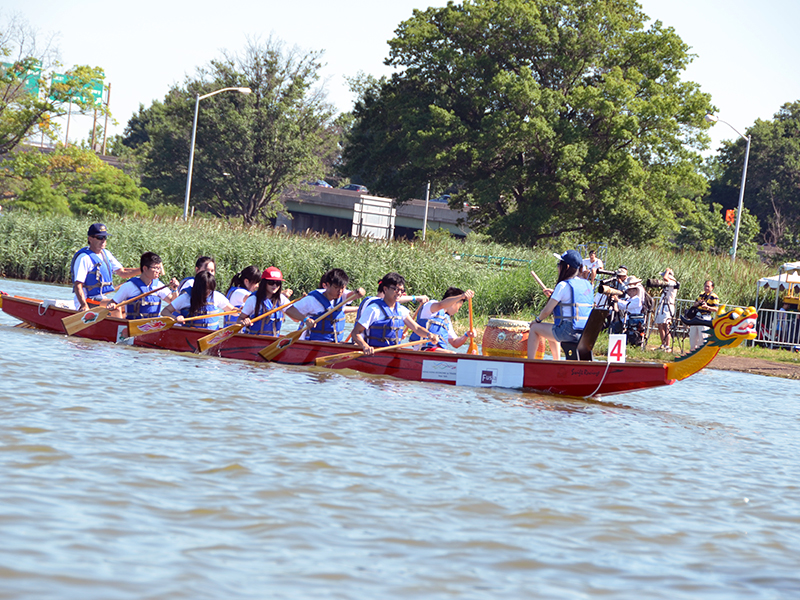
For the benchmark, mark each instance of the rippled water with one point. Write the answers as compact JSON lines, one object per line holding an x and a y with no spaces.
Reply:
{"x":128,"y":473}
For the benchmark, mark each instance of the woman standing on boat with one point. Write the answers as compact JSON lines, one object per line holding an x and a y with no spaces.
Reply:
{"x":268,"y":296}
{"x":570,"y":303}
{"x":202,"y":300}
{"x":381,"y":323}
{"x":243,"y":284}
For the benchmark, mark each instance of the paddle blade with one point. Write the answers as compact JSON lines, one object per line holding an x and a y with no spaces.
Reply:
{"x":327,"y":361}
{"x":213,"y":339}
{"x":138,"y":327}
{"x":275,"y":348}
{"x":80,"y":321}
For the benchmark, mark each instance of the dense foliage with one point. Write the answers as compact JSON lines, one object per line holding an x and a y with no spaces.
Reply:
{"x":68,"y":180}
{"x":547,"y":116}
{"x":772,"y":192}
{"x":249,"y":148}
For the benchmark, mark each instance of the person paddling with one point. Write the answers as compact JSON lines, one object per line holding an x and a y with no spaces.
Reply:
{"x":268,"y":295}
{"x":203,"y":263}
{"x":435,"y":317}
{"x":150,"y":306}
{"x":93,"y":268}
{"x":570,"y":302}
{"x":381,"y":323}
{"x":243,"y":284}
{"x":333,"y":286}
{"x":202,"y":300}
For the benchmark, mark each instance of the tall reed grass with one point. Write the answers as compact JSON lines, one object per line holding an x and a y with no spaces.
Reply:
{"x":40,"y":248}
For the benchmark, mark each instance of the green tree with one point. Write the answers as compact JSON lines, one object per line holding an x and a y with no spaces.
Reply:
{"x":67,"y":179}
{"x":703,"y":228}
{"x":772,"y":190}
{"x":547,"y":116}
{"x":249,"y":149}
{"x":22,"y":111}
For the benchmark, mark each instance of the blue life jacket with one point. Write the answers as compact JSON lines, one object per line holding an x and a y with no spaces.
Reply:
{"x":581,"y":301}
{"x":439,"y":324}
{"x":364,"y":304}
{"x":269,"y":326}
{"x":332,"y":326}
{"x":149,"y":306}
{"x":388,"y":330}
{"x":99,"y":280}
{"x":208,"y":308}
{"x":232,"y":319}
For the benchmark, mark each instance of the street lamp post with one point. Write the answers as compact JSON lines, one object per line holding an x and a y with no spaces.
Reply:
{"x":242,"y":90}
{"x":714,"y":119}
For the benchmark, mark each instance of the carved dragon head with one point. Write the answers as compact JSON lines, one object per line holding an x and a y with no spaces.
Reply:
{"x":731,"y":327}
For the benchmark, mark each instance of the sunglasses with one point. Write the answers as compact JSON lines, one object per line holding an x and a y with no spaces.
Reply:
{"x":273,"y":282}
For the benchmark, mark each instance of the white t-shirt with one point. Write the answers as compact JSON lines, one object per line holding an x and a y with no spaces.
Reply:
{"x":249,"y":307}
{"x":188,"y":283}
{"x":221,"y":303}
{"x":374,"y":312}
{"x":588,"y":265}
{"x":632,"y":306}
{"x":130,"y":290}
{"x":426,"y":313}
{"x":239,"y":296}
{"x":84,"y":264}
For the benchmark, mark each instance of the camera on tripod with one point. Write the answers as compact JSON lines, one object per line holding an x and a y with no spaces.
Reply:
{"x":662,"y":283}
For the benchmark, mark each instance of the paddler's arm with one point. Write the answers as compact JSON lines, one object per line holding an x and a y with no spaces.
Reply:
{"x":420,"y":330}
{"x":548,"y":309}
{"x":358,"y":338}
{"x":77,"y":287}
{"x":448,"y":302}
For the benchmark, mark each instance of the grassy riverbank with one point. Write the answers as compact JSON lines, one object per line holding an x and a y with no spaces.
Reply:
{"x":40,"y":248}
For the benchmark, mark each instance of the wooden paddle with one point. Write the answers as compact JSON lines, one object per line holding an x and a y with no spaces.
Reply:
{"x":327,"y":361}
{"x":80,"y":321}
{"x":219,"y":336}
{"x":278,"y":346}
{"x":137,"y":327}
{"x":539,"y":281}
{"x":473,"y":345}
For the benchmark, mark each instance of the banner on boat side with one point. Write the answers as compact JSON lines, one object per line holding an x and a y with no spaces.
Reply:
{"x":479,"y":373}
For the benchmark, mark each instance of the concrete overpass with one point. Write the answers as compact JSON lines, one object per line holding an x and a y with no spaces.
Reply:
{"x":331,"y":210}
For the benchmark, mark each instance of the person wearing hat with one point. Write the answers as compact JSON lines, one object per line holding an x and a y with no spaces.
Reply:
{"x":666,"y":308}
{"x":93,"y":268}
{"x":570,"y":303}
{"x":268,"y":295}
{"x":630,"y":303}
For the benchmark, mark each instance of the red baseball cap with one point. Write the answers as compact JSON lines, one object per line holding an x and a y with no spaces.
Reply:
{"x":272,"y":273}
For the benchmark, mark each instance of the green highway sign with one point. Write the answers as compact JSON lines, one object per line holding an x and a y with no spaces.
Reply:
{"x":94,"y":89}
{"x":30,"y":77}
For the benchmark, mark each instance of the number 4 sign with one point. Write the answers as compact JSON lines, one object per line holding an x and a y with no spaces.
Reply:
{"x":616,"y":348}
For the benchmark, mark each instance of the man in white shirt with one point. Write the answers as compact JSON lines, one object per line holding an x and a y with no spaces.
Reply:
{"x":591,"y":265}
{"x":93,"y":268}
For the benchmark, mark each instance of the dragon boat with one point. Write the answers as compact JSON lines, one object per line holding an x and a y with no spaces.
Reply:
{"x":577,"y":378}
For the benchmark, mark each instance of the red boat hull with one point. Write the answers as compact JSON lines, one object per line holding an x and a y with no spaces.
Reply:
{"x":570,"y":378}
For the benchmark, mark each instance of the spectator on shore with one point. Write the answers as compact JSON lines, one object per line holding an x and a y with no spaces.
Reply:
{"x":591,"y":264}
{"x":707,"y":304}
{"x":666,"y":309}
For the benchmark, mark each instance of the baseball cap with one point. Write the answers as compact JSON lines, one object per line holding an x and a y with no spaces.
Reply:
{"x":571,"y":258}
{"x":273,"y":274}
{"x":98,"y":230}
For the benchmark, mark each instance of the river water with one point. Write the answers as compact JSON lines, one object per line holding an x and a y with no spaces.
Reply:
{"x":131,"y":474}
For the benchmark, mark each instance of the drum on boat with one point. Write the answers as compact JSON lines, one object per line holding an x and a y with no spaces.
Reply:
{"x":504,"y":337}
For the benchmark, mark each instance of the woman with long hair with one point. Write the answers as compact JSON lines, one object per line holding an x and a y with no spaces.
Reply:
{"x":570,"y":303}
{"x":243,"y":284}
{"x":268,"y":295}
{"x":204,"y":299}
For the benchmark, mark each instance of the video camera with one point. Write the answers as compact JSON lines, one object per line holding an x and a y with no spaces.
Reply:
{"x":661,"y":283}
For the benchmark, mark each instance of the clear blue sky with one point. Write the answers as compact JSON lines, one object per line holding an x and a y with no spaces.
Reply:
{"x":747,"y":52}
